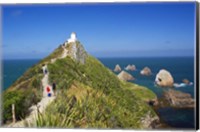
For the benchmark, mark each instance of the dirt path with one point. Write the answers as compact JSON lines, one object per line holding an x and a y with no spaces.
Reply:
{"x":45,"y":84}
{"x":41,"y":106}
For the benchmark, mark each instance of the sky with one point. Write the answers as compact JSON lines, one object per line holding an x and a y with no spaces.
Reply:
{"x":105,"y":30}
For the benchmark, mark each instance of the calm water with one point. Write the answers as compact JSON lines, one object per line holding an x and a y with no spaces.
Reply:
{"x":13,"y":69}
{"x":180,"y":68}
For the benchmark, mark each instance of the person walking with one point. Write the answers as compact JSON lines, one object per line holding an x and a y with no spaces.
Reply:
{"x":45,"y":71}
{"x":54,"y":88}
{"x":43,"y":68}
{"x":48,"y":91}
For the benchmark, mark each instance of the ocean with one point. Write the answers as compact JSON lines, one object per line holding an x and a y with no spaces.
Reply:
{"x":13,"y":69}
{"x":180,"y":68}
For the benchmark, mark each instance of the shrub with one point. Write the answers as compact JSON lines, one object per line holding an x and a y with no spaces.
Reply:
{"x":13,"y":97}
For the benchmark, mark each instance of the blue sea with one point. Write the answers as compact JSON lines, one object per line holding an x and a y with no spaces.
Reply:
{"x":13,"y":69}
{"x":179,"y":67}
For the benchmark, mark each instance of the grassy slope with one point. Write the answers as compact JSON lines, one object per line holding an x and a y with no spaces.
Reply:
{"x":141,"y":92}
{"x":90,"y":95}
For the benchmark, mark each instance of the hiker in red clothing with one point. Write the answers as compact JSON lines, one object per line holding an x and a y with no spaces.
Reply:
{"x":48,"y":89}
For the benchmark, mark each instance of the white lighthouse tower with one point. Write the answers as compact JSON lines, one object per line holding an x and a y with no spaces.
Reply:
{"x":72,"y":38}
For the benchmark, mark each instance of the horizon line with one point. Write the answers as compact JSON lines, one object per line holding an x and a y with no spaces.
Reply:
{"x":107,"y":57}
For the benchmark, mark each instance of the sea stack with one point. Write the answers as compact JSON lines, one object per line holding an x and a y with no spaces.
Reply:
{"x":130,"y":68}
{"x":164,"y":79}
{"x":146,"y":71}
{"x":125,"y":76}
{"x":117,"y":68}
{"x":186,"y":81}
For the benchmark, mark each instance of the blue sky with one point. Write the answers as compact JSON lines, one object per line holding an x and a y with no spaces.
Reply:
{"x":105,"y":30}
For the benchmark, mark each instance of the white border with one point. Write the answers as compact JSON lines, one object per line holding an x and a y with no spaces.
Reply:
{"x":70,"y":1}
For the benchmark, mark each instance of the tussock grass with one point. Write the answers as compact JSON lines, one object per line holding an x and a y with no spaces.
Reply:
{"x":140,"y":92}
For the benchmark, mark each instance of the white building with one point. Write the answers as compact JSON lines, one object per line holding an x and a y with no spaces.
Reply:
{"x":72,"y":38}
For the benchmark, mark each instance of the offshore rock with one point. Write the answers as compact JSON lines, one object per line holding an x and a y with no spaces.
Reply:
{"x":130,"y":68}
{"x":164,"y":79}
{"x":146,"y":71}
{"x":125,"y":76}
{"x":186,"y":81}
{"x":117,"y":68}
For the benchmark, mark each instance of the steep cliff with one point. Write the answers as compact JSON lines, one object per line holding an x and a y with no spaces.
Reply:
{"x":76,"y":51}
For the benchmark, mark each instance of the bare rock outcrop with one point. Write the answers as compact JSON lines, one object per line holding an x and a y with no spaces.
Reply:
{"x":186,"y":81}
{"x":179,"y":99}
{"x":77,"y":52}
{"x":117,"y":68}
{"x":146,"y":71}
{"x":150,"y":121}
{"x":125,"y":76}
{"x":130,"y":68}
{"x":164,"y":79}
{"x":81,"y":54}
{"x":153,"y":102}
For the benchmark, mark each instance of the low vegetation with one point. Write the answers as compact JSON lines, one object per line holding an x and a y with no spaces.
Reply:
{"x":140,"y":92}
{"x":81,"y":106}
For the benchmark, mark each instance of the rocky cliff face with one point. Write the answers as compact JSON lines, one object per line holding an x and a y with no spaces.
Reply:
{"x":76,"y":51}
{"x":81,"y":54}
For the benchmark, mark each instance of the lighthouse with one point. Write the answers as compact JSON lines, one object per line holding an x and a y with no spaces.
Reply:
{"x":72,"y":38}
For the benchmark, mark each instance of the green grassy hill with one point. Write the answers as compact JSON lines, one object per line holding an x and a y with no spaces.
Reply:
{"x":89,"y":95}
